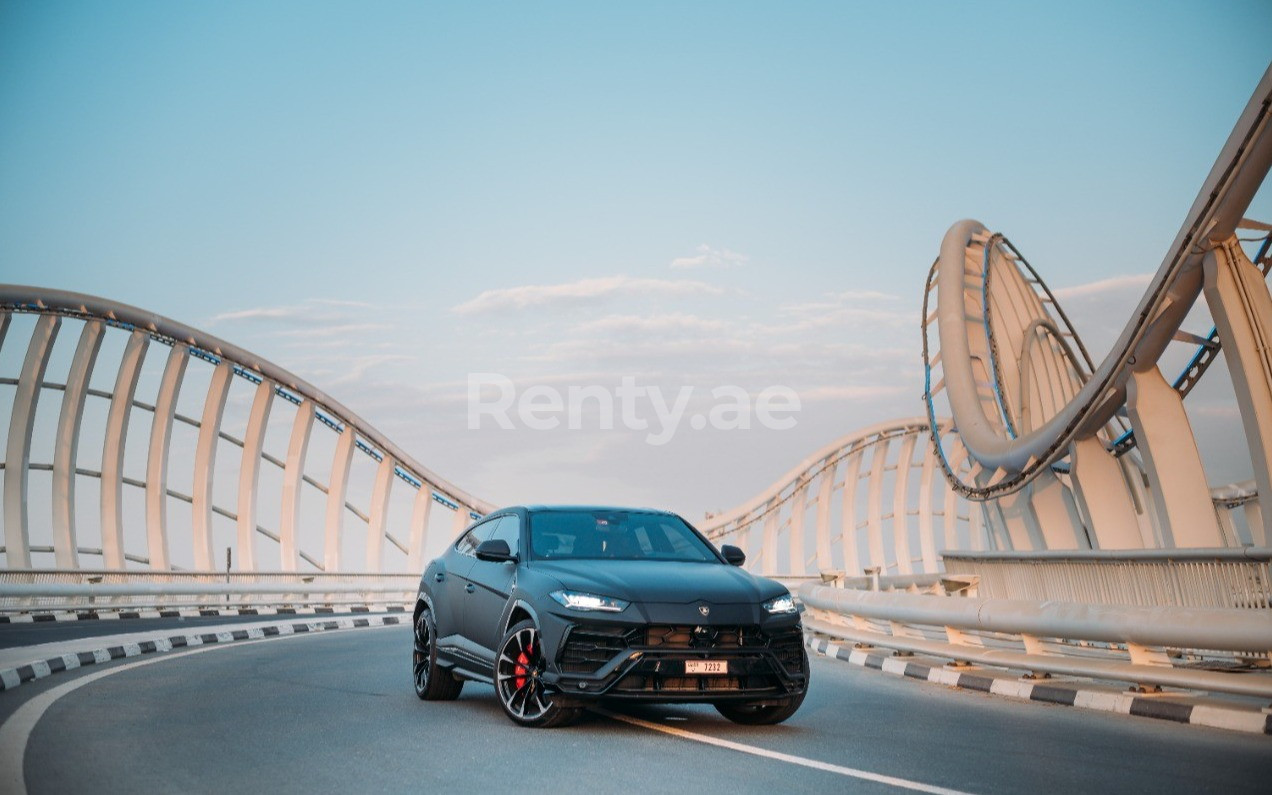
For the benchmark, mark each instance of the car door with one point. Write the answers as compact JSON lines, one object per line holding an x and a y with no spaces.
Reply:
{"x":489,"y":586}
{"x":451,"y":577}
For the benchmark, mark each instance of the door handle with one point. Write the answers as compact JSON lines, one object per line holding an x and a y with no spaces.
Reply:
{"x":469,"y":588}
{"x":439,"y":576}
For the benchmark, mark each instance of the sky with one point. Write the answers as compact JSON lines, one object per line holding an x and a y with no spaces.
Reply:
{"x":387,"y":198}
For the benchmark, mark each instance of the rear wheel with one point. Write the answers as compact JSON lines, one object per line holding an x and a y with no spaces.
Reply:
{"x":519,"y":684}
{"x":432,"y":682}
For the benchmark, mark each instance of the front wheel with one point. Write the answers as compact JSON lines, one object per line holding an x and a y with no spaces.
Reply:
{"x":519,"y":684}
{"x":755,"y":715}
{"x":432,"y":682}
{"x":764,"y":715}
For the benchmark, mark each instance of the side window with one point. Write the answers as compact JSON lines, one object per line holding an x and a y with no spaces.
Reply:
{"x":467,"y":543}
{"x":508,"y":529}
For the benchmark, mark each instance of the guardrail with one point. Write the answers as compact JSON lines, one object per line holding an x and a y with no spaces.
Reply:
{"x":52,"y":590}
{"x":1209,"y":578}
{"x":1150,"y":647}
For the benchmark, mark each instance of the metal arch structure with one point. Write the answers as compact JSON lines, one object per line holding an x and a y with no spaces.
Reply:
{"x":182,"y":347}
{"x":870,"y":501}
{"x":1066,"y":454}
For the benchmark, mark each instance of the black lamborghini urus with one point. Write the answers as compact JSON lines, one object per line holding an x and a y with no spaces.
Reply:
{"x":561,"y":607}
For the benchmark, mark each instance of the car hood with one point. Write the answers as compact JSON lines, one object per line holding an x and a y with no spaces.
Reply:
{"x":671,"y":582}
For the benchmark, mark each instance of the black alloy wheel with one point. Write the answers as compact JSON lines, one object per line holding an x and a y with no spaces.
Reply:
{"x":764,"y":715}
{"x":432,"y":682}
{"x":519,"y":684}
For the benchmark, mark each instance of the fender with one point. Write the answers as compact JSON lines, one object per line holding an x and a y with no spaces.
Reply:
{"x":422,"y":600}
{"x":510,"y":608}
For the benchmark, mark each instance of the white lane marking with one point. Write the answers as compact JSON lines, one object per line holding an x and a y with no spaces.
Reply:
{"x":16,"y":731}
{"x":865,"y":775}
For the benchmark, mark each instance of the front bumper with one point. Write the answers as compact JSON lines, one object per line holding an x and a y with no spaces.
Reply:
{"x":646,"y":662}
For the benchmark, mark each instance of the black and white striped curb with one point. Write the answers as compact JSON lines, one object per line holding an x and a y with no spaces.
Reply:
{"x":188,"y":612}
{"x":1244,"y":720}
{"x":13,"y":677}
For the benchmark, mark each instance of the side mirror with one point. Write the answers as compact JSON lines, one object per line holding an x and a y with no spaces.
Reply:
{"x":495,"y":550}
{"x":733,"y":555}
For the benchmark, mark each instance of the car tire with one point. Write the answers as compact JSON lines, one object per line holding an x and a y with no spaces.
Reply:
{"x":764,"y":714}
{"x":432,"y":682}
{"x":518,"y":668}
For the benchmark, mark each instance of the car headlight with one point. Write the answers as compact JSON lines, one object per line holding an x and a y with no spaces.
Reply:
{"x":577,"y":600}
{"x":782,"y":604}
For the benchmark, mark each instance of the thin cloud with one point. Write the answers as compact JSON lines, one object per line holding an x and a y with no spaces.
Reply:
{"x":865,"y":295}
{"x":357,"y":369}
{"x":835,"y":302}
{"x":536,"y":295}
{"x":341,"y":302}
{"x":651,"y":324}
{"x":312,"y":310}
{"x":1137,"y":280}
{"x":708,"y":257}
{"x":809,"y":317}
{"x":325,"y":331}
{"x":259,"y":313}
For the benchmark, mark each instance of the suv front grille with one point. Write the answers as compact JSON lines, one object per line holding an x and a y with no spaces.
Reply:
{"x":788,"y":646}
{"x":588,"y":648}
{"x":704,"y":636}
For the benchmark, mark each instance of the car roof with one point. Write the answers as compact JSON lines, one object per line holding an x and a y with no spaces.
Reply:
{"x":537,"y":508}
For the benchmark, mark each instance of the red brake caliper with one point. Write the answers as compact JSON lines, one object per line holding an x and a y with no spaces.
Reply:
{"x":521,"y":670}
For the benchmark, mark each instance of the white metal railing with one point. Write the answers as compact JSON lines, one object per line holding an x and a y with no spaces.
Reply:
{"x":1147,"y":646}
{"x":48,"y":590}
{"x":1209,"y":578}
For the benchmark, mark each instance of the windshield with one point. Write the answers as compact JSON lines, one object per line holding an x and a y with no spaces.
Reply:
{"x":617,"y":535}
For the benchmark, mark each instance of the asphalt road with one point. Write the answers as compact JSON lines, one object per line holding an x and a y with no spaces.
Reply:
{"x":335,"y":712}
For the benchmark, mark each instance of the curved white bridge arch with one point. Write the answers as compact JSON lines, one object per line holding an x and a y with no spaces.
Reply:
{"x":273,"y":389}
{"x":873,"y":499}
{"x":1057,"y":452}
{"x":1069,"y":454}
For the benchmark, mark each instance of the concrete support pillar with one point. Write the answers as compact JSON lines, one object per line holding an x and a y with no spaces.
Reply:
{"x":979,"y":527}
{"x":378,"y":516}
{"x":824,"y":494}
{"x":460,"y":520}
{"x":1009,"y":519}
{"x":419,"y":527}
{"x":874,"y":506}
{"x":1055,"y":514}
{"x":17,"y":458}
{"x":799,"y":507}
{"x":927,"y":522}
{"x":769,"y":544}
{"x":337,"y":486}
{"x":900,"y":507}
{"x":1242,"y":307}
{"x":249,"y":473}
{"x":66,"y":446}
{"x":121,"y":401}
{"x":848,"y":517}
{"x":1254,"y":515}
{"x":293,"y":479}
{"x":1176,"y":478}
{"x":1103,"y":496}
{"x":205,"y":465}
{"x":950,"y":540}
{"x":157,"y":458}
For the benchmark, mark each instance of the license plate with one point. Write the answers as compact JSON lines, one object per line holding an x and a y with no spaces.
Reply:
{"x":706,"y":666}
